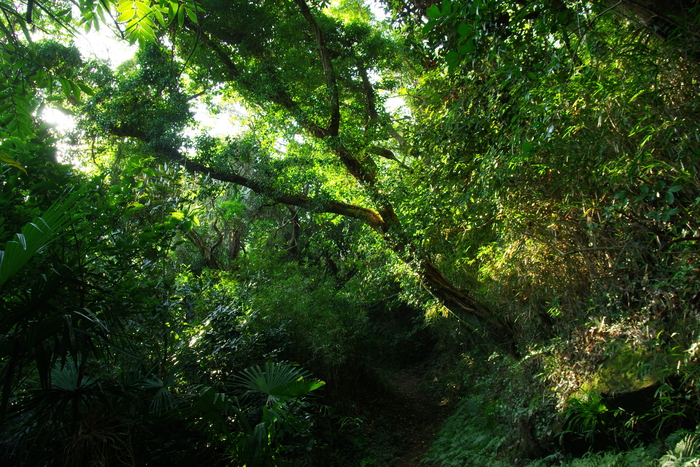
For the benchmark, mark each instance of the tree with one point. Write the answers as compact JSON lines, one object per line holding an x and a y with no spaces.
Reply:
{"x":545,"y":161}
{"x":311,"y":77}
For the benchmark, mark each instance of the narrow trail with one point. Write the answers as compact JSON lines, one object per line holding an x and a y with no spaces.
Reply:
{"x":421,"y":415}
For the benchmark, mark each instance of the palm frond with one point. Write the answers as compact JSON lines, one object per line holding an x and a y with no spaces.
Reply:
{"x":213,"y":407}
{"x":163,"y":399}
{"x":684,"y":454}
{"x":36,"y":235}
{"x":278,"y":381}
{"x":68,"y":378}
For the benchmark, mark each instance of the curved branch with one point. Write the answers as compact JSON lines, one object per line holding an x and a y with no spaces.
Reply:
{"x":370,"y":98}
{"x":399,"y":139}
{"x":369,"y":216}
{"x":220,"y":236}
{"x":386,"y":154}
{"x":334,"y":124}
{"x":371,"y":108}
{"x":434,"y":280}
{"x":359,"y":164}
{"x":30,"y":8}
{"x":279,"y":97}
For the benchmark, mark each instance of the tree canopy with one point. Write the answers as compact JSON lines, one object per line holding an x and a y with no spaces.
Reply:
{"x":511,"y":183}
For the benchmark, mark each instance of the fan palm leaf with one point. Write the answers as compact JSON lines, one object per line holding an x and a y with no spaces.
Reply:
{"x":278,"y":381}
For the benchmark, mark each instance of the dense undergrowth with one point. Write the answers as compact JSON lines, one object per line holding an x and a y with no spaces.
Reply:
{"x":477,"y":434}
{"x":503,"y":415}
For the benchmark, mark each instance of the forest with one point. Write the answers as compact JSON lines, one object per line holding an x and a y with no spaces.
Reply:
{"x":439,"y":233}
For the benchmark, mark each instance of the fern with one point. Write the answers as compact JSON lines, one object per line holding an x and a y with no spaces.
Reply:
{"x":683,"y":454}
{"x":469,"y":438}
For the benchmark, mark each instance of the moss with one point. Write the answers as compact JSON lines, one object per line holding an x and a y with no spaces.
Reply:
{"x":630,"y":370}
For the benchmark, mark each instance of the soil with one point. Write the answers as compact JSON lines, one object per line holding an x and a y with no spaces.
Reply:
{"x":422,"y":413}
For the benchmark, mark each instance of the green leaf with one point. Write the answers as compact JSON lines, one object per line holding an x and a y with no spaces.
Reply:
{"x":86,"y":89}
{"x":148,"y":33}
{"x":9,"y":161}
{"x":297,"y":388}
{"x":446,"y":7}
{"x":40,"y":78}
{"x":181,"y":16}
{"x":125,"y":6}
{"x":192,"y":15}
{"x":141,"y":30}
{"x":467,"y":48}
{"x":143,"y":9}
{"x":35,"y":236}
{"x":671,"y":212}
{"x":452,"y":57}
{"x":68,"y":379}
{"x":75,"y":88}
{"x":65,"y":86}
{"x":212,"y":407}
{"x":132,"y":25}
{"x":159,"y":16}
{"x":126,"y":16}
{"x":433,"y":12}
{"x":278,"y":381}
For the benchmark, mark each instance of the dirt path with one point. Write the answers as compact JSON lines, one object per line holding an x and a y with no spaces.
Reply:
{"x":421,"y":415}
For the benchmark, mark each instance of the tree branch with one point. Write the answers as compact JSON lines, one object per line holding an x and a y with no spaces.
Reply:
{"x":371,"y":108}
{"x":331,"y":82}
{"x":386,"y":154}
{"x":399,"y":139}
{"x":368,"y":216}
{"x":370,"y":98}
{"x":279,"y":97}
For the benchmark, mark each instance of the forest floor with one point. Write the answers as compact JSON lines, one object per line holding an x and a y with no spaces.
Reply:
{"x":422,"y":413}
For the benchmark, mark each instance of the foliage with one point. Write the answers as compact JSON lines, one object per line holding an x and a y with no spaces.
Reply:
{"x":640,"y":456}
{"x":467,"y":439}
{"x":539,"y":180}
{"x":583,"y":416}
{"x":682,"y":454}
{"x":325,"y":323}
{"x":277,"y":382}
{"x":144,"y":100}
{"x":34,"y":237}
{"x":259,"y":437}
{"x":529,"y":181}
